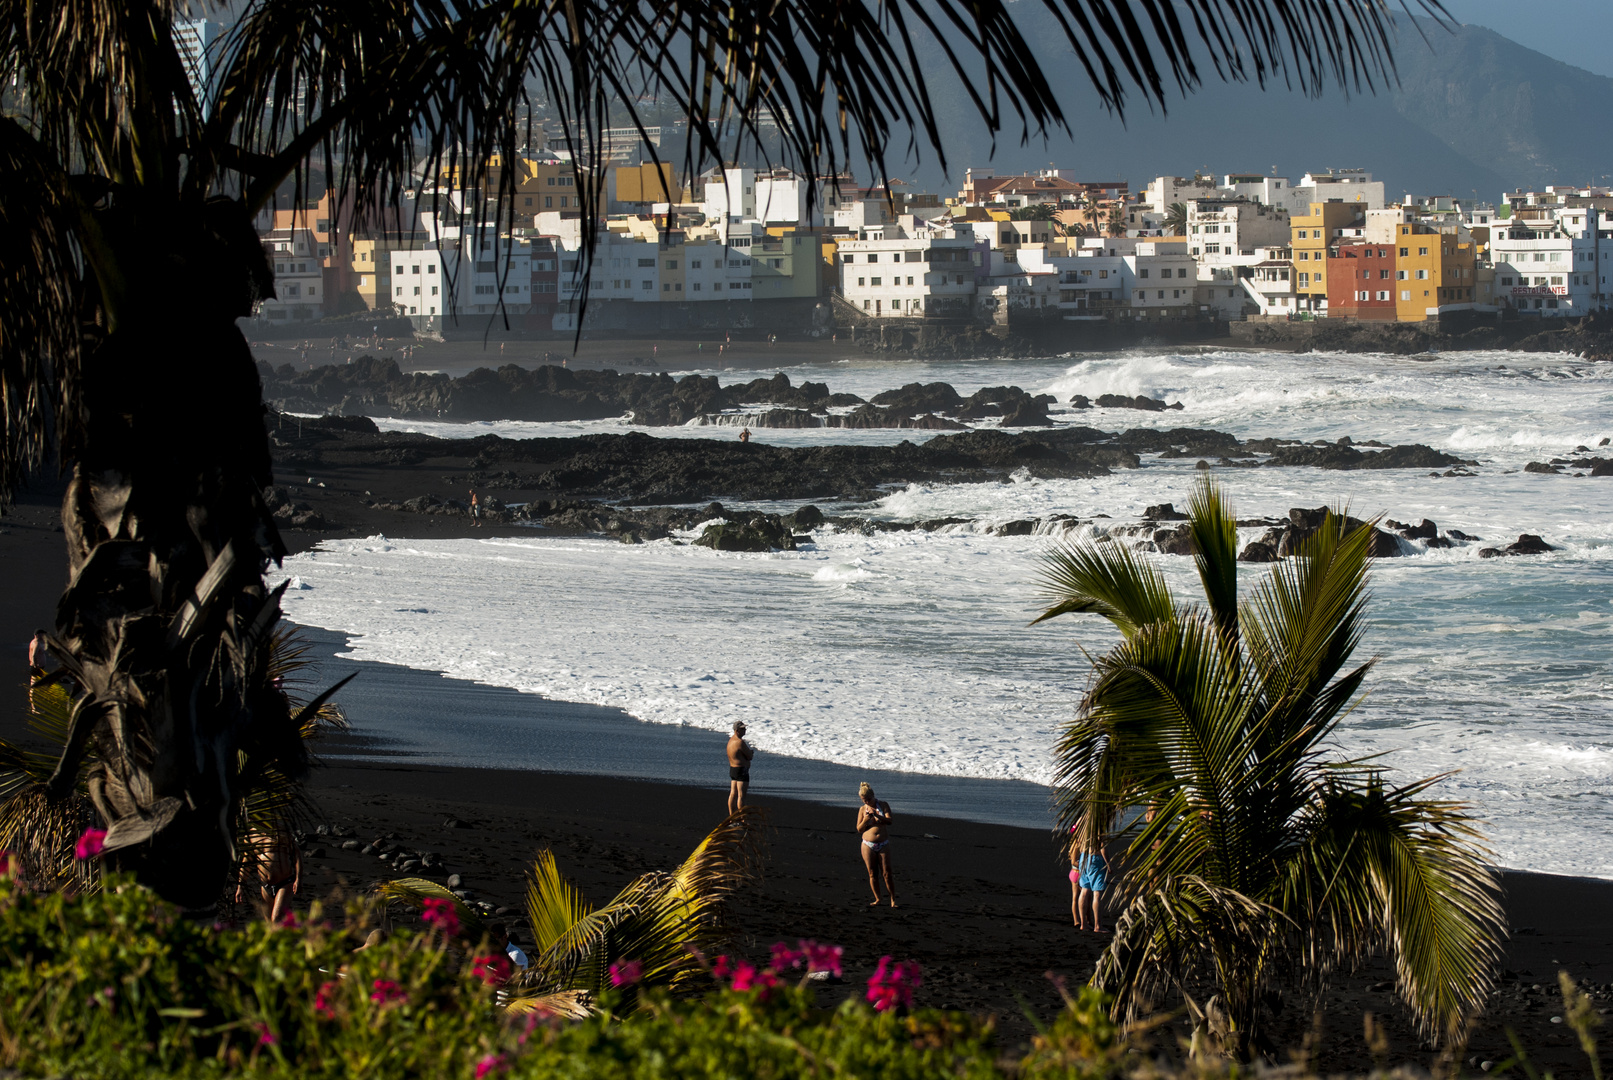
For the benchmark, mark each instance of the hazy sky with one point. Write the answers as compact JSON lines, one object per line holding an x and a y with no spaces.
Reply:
{"x":1578,"y":32}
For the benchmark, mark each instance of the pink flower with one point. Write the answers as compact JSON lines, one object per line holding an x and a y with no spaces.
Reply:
{"x":10,"y":865}
{"x":722,"y":967}
{"x":322,"y":1001}
{"x":289,"y":919}
{"x":386,"y":992}
{"x":786,"y":957}
{"x":749,"y":977}
{"x":823,"y":957}
{"x":492,"y":970}
{"x":441,"y":915}
{"x":491,"y":1064}
{"x":893,"y":984}
{"x":90,"y":844}
{"x":626,"y":973}
{"x":265,"y":1036}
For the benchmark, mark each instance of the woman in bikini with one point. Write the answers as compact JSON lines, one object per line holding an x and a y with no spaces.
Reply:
{"x":873,"y":819}
{"x":277,"y":864}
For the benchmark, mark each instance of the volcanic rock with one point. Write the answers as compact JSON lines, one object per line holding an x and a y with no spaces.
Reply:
{"x":1146,"y":404}
{"x":1540,"y":467}
{"x":764,"y":532}
{"x":1529,"y":544}
{"x":1164,"y":512}
{"x":1255,"y":551}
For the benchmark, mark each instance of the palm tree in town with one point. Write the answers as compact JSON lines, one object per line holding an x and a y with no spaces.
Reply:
{"x":1115,"y":224}
{"x":1261,"y":854}
{"x":1176,"y":220}
{"x":134,"y":176}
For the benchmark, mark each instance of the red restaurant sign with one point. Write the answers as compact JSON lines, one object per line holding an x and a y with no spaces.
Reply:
{"x":1540,"y":290}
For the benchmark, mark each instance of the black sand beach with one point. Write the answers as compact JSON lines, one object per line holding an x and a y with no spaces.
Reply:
{"x":985,"y":907}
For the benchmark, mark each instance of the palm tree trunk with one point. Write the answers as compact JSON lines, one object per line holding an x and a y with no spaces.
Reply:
{"x":165,"y":626}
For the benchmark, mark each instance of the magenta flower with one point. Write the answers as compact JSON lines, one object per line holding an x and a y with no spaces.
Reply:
{"x":893,"y":984}
{"x":492,"y":970}
{"x":386,"y":992}
{"x":265,"y":1036}
{"x":440,"y":915}
{"x":288,"y":919}
{"x":322,"y":1001}
{"x":626,"y":973}
{"x":90,"y":844}
{"x":748,"y":977}
{"x":491,"y":1064}
{"x":722,"y":967}
{"x":823,"y":957}
{"x":786,"y":957}
{"x":10,"y":865}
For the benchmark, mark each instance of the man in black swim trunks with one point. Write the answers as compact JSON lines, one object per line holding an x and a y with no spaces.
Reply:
{"x":739,"y":758}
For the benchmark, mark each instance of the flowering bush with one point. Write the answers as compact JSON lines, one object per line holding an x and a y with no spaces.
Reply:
{"x":892,"y":984}
{"x":492,"y":970}
{"x":440,"y":915}
{"x":626,"y":973}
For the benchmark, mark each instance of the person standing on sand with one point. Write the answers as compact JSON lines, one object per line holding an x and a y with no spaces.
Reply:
{"x":38,"y":653}
{"x":278,"y":867}
{"x":475,"y":510}
{"x":873,"y":821}
{"x":740,"y":754}
{"x":1089,"y":876}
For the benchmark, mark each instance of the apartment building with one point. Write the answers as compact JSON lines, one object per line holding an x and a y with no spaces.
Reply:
{"x":1312,"y":234}
{"x":930,"y":274}
{"x":1227,"y":232}
{"x":295,"y":255}
{"x":471,"y":275}
{"x":1435,"y":271}
{"x":1552,"y":259}
{"x":1361,"y":281}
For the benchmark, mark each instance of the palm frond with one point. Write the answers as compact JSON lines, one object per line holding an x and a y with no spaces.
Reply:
{"x":1390,"y":867}
{"x":411,"y":892}
{"x":659,"y":920}
{"x":1105,"y":579}
{"x":571,"y":1004}
{"x":1214,"y":528}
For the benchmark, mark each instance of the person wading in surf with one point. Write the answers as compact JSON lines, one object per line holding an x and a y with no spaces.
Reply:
{"x":739,"y":758}
{"x":873,"y":823}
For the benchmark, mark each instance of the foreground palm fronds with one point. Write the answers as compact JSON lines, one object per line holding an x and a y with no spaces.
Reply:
{"x":42,"y":831}
{"x":661,"y":921}
{"x":1261,"y":853}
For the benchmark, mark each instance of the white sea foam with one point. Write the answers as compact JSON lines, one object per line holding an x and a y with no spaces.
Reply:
{"x":912,"y":651}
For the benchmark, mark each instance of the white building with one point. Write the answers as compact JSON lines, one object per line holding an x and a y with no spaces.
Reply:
{"x":298,"y":262}
{"x":931,"y":273}
{"x":1343,"y":185}
{"x":1553,"y":260}
{"x":473,"y":275}
{"x":778,"y":197}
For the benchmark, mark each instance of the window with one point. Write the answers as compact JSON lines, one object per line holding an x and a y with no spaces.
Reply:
{"x":1383,"y":275}
{"x":1302,"y":234}
{"x":414,"y":311}
{"x":400,"y":290}
{"x":1304,"y":256}
{"x":1176,"y":294}
{"x":1400,"y":275}
{"x":1142,"y":273}
{"x":1141,"y":295}
{"x":666,"y":286}
{"x":873,"y":258}
{"x":1422,"y":251}
{"x":647,"y":285}
{"x":1383,"y":296}
{"x":548,"y":200}
{"x":695,"y":287}
{"x":1540,"y":256}
{"x":551,"y":181}
{"x":694,"y":264}
{"x":434,"y":290}
{"x":508,"y":289}
{"x":646,"y":262}
{"x":867,"y":304}
{"x":679,"y":287}
{"x":875,"y":281}
{"x":1404,"y":252}
{"x":416,"y":290}
{"x":1405,"y":294}
{"x":1422,"y":275}
{"x":529,"y":201}
{"x":672,"y":264}
{"x":910,"y":281}
{"x":1162,"y":294}
{"x":778,"y":264}
{"x":862,"y":281}
{"x":565,"y":200}
{"x":414,"y":269}
{"x":1556,"y":281}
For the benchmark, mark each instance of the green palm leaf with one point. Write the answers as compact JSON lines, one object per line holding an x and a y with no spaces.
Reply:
{"x":1106,"y":579}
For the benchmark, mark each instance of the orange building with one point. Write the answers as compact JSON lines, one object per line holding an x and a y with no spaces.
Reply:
{"x":1361,"y":282}
{"x":1432,"y":270}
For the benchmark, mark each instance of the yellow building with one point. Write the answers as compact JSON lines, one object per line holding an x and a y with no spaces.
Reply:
{"x":1310,"y":237}
{"x":1433,"y":269}
{"x":372,"y":272}
{"x":644,"y":183}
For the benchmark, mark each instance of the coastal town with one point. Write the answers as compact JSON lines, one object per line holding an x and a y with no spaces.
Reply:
{"x":674,"y":253}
